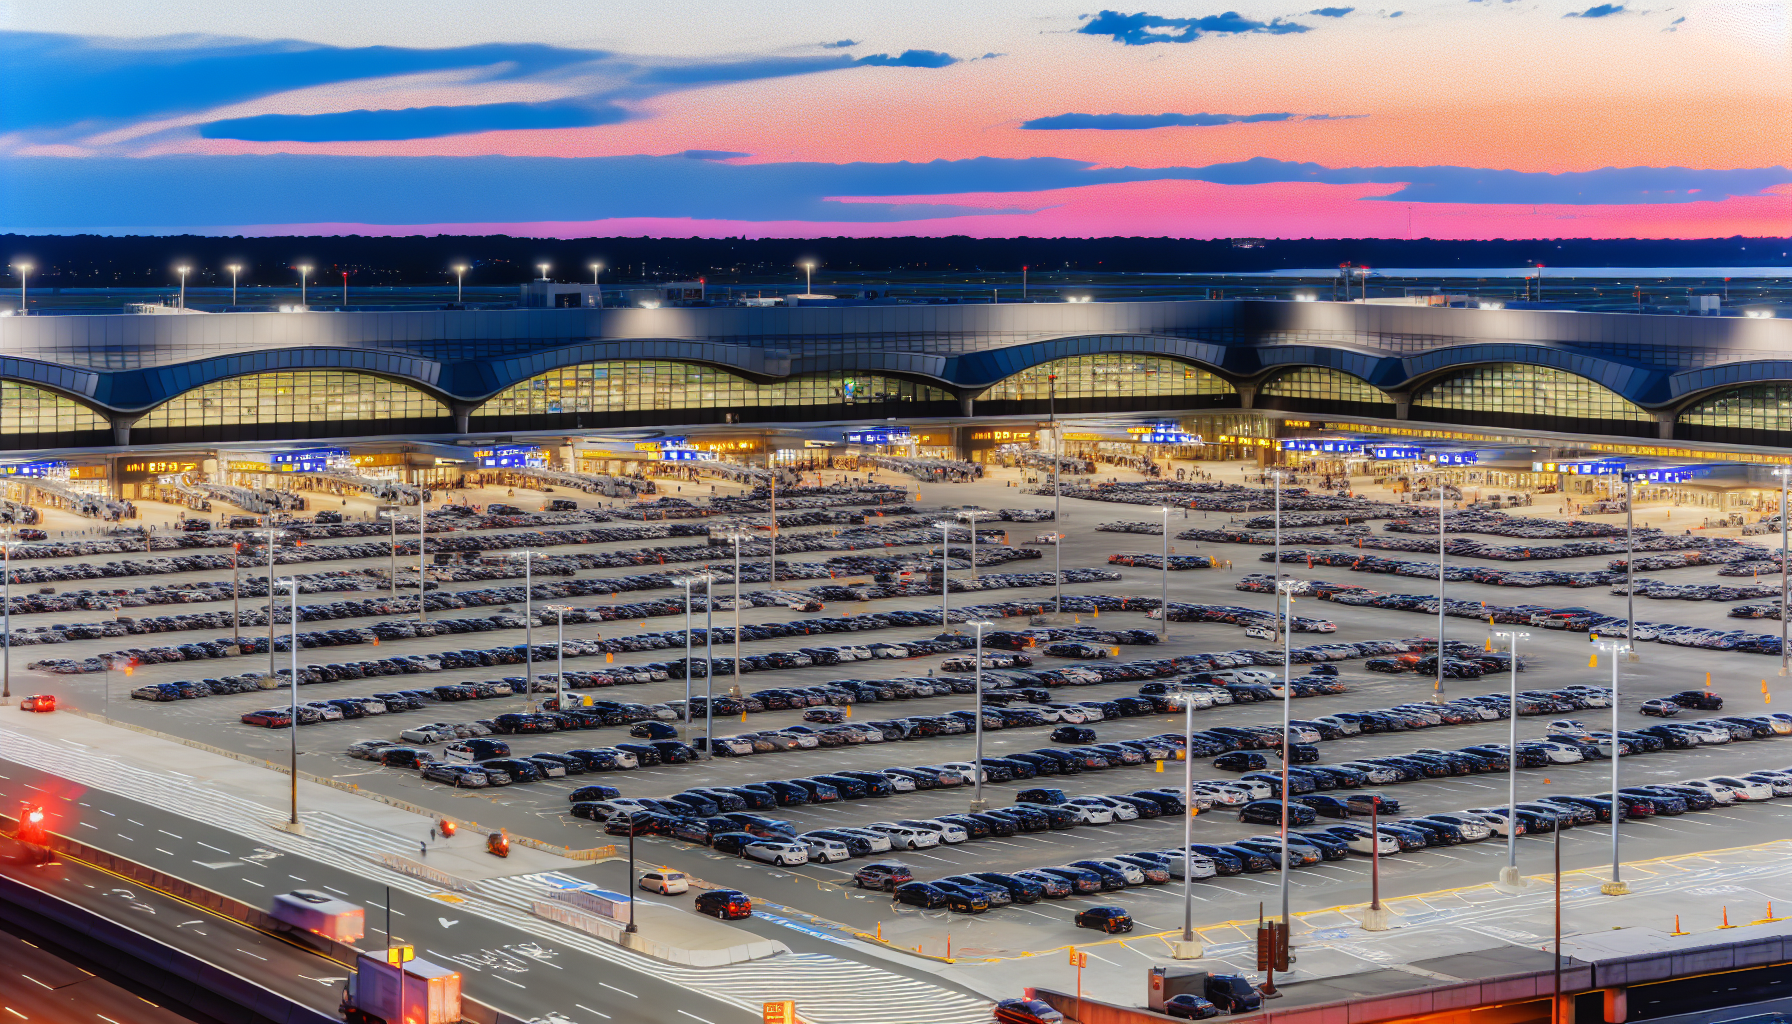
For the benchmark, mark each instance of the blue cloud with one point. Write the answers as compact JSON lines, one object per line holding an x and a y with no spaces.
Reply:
{"x":1397,"y":14}
{"x":1334,"y":117}
{"x":1133,"y":122}
{"x":840,"y":44}
{"x":1143,"y":29}
{"x":712,"y":154}
{"x":58,"y":83}
{"x":1600,"y":11}
{"x":115,"y":195}
{"x":412,"y":123}
{"x":1332,"y":12}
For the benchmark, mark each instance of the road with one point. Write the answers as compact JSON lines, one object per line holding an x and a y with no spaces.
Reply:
{"x":42,"y":987}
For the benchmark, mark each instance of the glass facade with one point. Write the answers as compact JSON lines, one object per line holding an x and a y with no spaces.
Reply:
{"x":1754,"y":414}
{"x":293,"y":404}
{"x":623,"y":392}
{"x":32,"y":418}
{"x":1517,"y":395}
{"x":1110,"y":382}
{"x":1321,"y":389}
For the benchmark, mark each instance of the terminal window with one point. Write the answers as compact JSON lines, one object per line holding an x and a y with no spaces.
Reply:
{"x":641,"y":385}
{"x":1109,"y":375}
{"x":28,"y":410}
{"x":1766,"y":407}
{"x":300,"y":396}
{"x":1322,"y":384}
{"x":1534,"y":391}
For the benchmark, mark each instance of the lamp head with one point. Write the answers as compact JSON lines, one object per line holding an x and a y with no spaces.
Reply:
{"x":460,"y":268}
{"x":234,"y":267}
{"x":23,"y":268}
{"x":183,"y":271}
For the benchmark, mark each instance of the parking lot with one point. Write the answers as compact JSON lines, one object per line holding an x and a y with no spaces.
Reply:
{"x":539,"y":809}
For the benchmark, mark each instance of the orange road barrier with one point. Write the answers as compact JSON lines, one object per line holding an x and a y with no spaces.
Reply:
{"x":1677,"y":930}
{"x":1726,"y":923}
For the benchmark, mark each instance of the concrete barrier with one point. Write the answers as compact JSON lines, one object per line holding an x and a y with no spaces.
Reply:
{"x":418,"y":869}
{"x":645,"y":942}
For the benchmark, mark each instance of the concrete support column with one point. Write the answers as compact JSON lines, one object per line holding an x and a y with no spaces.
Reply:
{"x":1402,"y":404}
{"x":121,"y":430}
{"x":1247,"y":396}
{"x":964,"y":404}
{"x":1664,"y":424}
{"x":1617,"y":1004}
{"x":463,"y":416}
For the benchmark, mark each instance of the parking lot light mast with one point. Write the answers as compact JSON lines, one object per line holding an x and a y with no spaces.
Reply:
{"x":737,"y":536}
{"x":292,"y":583}
{"x":235,"y":269}
{"x":1277,"y":477}
{"x":1785,"y":475}
{"x":422,"y":529}
{"x":703,"y":578}
{"x":1509,"y":873}
{"x":971,"y":520}
{"x":528,"y":558}
{"x":1437,"y":690}
{"x":391,"y":512}
{"x":1285,"y":590}
{"x":945,"y":529}
{"x":1188,"y":948}
{"x":268,"y":520}
{"x":709,"y":669}
{"x":1051,"y":384}
{"x":236,"y":596}
{"x":977,"y":801}
{"x":1163,"y":603}
{"x":1630,"y":575}
{"x":1616,"y":886}
{"x":6,"y":656}
{"x":560,"y":611}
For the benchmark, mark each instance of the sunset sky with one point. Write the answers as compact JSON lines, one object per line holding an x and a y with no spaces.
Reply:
{"x":1441,"y":118}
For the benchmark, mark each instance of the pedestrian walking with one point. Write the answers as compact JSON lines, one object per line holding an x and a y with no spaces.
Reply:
{"x":422,"y":848}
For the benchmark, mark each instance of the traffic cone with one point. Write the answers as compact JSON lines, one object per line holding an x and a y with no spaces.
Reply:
{"x":1726,"y":923}
{"x":1593,"y":661}
{"x":1489,"y":647}
{"x":1677,"y":930}
{"x":1707,"y":680}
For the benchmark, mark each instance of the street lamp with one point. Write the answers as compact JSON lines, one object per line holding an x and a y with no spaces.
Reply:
{"x":560,"y":611}
{"x":1785,"y":474}
{"x":1285,"y":589}
{"x":24,"y":271}
{"x":1188,"y":948}
{"x":236,"y":596}
{"x":422,"y":555}
{"x":6,"y":547}
{"x":808,"y":277}
{"x":687,"y":582}
{"x":183,"y":271}
{"x":597,"y":270}
{"x":737,"y":536}
{"x":528,"y":558}
{"x":1630,"y":577}
{"x":1509,"y":873}
{"x":1051,"y":398}
{"x":977,"y":802}
{"x":945,"y":529}
{"x":292,"y":584}
{"x":460,"y":272}
{"x":1616,"y":886}
{"x":971,"y":518}
{"x":1437,"y":689}
{"x":1163,"y":603}
{"x":268,"y":521}
{"x":391,"y":513}
{"x":303,"y":269}
{"x":235,"y":269}
{"x":543,"y":267}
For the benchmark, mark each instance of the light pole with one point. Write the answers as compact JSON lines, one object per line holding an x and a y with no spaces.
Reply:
{"x":1163,"y":604}
{"x":1277,"y":476}
{"x":460,"y":273}
{"x":292,"y":823}
{"x":236,"y":596}
{"x":1437,"y":688}
{"x":977,"y":801}
{"x":1509,"y":873}
{"x":703,"y":578}
{"x":945,"y":553}
{"x":709,"y":669}
{"x":1188,"y":948}
{"x":1630,"y":576}
{"x":808,"y":278}
{"x":543,"y":267}
{"x":24,"y":271}
{"x":391,"y":512}
{"x":1616,"y":886}
{"x":597,"y":270}
{"x":183,"y":271}
{"x":6,"y":656}
{"x":303,"y":269}
{"x":560,"y":611}
{"x":1285,"y":588}
{"x":1051,"y":384}
{"x":269,"y":520}
{"x":736,"y":536}
{"x":1785,"y":474}
{"x":235,"y":269}
{"x":422,"y":567}
{"x":345,"y":289}
{"x":528,"y":558}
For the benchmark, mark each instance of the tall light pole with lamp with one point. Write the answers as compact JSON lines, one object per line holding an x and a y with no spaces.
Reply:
{"x":235,"y":269}
{"x":945,"y":529}
{"x":292,"y":583}
{"x":1509,"y":873}
{"x":1785,"y":475}
{"x":1051,"y":398}
{"x":303,"y":269}
{"x":1437,"y":689}
{"x":808,"y":277}
{"x":977,"y":801}
{"x":6,"y":547}
{"x":543,"y":267}
{"x":560,"y":611}
{"x":1188,"y":947}
{"x":1285,"y":592}
{"x":597,"y":270}
{"x":183,"y":271}
{"x":1616,"y":886}
{"x":1163,"y":605}
{"x":460,"y":273}
{"x":689,"y":581}
{"x":528,"y":558}
{"x":24,"y":271}
{"x":737,"y":536}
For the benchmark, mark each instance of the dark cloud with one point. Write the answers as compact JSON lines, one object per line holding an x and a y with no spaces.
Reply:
{"x":1143,"y":29}
{"x":1600,"y":11}
{"x":412,"y":123}
{"x":222,"y":192}
{"x":1133,"y":122}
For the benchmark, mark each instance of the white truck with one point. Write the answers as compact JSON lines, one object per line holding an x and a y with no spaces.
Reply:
{"x":308,"y":910}
{"x":414,"y":992}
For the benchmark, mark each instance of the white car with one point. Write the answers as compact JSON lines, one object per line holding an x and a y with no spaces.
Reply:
{"x":776,"y":851}
{"x":1561,"y":753}
{"x":1723,"y":795}
{"x":434,"y":732}
{"x":825,"y":851}
{"x":880,"y":843}
{"x":1247,"y":675}
{"x":1473,"y":829}
{"x":1258,"y":790}
{"x":1569,"y":728}
{"x":1304,"y":734}
{"x":1343,"y":725}
{"x":1745,"y":789}
{"x":665,"y":881}
{"x":1323,"y":626}
{"x":735,"y":745}
{"x":1133,"y":874}
{"x":1199,"y":864}
{"x":872,"y":733}
{"x":1360,"y":840}
{"x":330,"y":712}
{"x":1223,"y":795}
{"x":948,"y":832}
{"x":1593,"y":695}
{"x":1259,"y":633}
{"x":1705,"y":733}
{"x":1378,"y":774}
{"x":903,"y":837}
{"x":1780,"y":782}
{"x":1122,"y":811}
{"x":964,"y":770}
{"x":1495,"y":820}
{"x":899,"y":783}
{"x":1087,"y":814}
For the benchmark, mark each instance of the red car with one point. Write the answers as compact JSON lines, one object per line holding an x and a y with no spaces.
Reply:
{"x":727,"y":904}
{"x":38,"y":702}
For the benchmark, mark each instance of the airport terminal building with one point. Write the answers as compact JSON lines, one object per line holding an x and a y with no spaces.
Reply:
{"x":101,"y":385}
